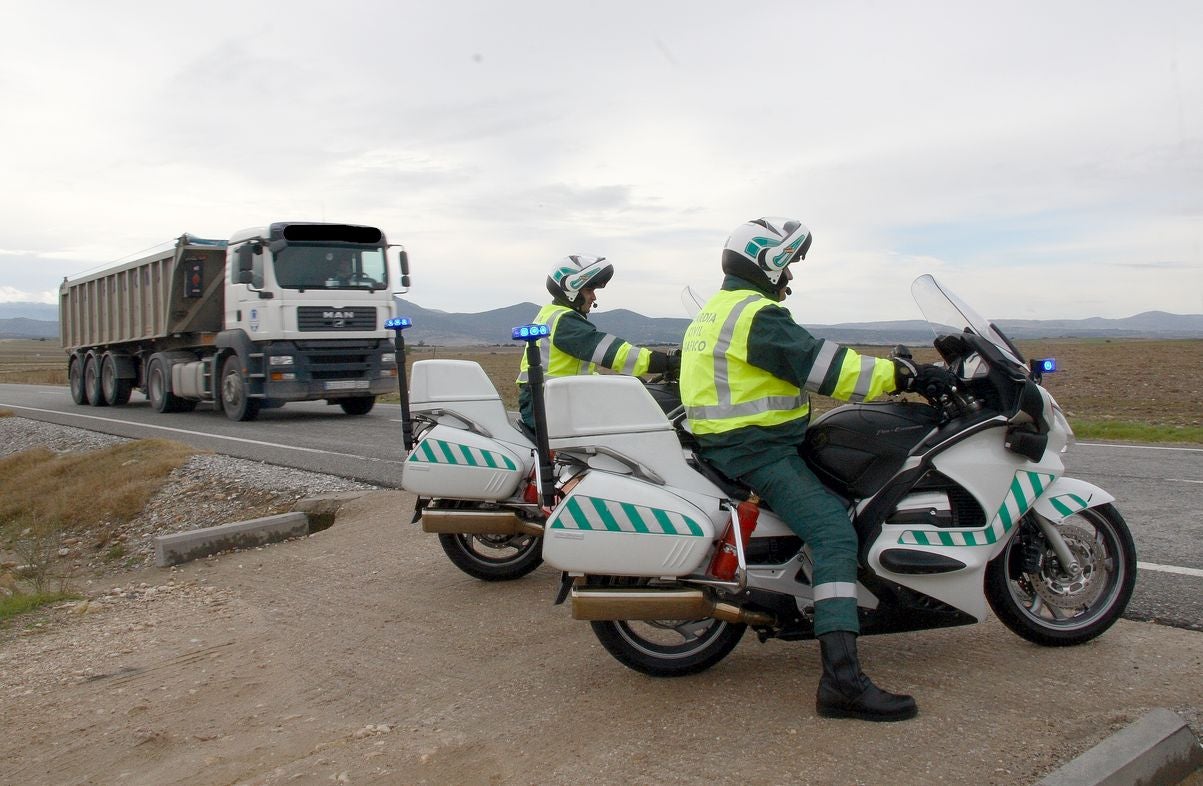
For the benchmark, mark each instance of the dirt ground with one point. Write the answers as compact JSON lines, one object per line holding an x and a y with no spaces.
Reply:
{"x":361,"y":655}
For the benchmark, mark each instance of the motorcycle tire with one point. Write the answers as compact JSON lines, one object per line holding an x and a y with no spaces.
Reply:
{"x":1049,"y":608}
{"x":493,"y":557}
{"x":666,"y":648}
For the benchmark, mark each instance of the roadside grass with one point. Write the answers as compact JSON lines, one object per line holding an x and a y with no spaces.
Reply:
{"x":83,"y":490}
{"x":22,"y":603}
{"x":1130,"y":431}
{"x":49,"y":501}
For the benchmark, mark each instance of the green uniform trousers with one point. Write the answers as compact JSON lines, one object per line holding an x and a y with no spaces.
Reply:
{"x":821,"y":520}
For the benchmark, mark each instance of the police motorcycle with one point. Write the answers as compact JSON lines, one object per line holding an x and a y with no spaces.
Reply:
{"x":485,"y":482}
{"x":960,"y":503}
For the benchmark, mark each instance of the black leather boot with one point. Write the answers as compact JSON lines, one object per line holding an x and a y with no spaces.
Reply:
{"x":845,"y":691}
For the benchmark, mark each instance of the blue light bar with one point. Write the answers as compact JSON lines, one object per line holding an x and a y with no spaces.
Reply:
{"x":398,"y":323}
{"x":1047,"y":365}
{"x":530,"y":332}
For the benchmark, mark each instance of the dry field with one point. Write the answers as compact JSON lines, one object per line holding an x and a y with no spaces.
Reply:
{"x":1150,"y":382}
{"x":1153,"y":382}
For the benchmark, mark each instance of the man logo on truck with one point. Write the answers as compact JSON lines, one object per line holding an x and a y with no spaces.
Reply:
{"x":338,"y":315}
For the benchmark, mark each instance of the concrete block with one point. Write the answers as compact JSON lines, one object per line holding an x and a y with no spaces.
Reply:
{"x":186,"y":546}
{"x":1158,"y":748}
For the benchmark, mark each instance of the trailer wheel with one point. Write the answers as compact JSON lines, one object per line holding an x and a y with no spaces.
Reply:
{"x":234,"y":399}
{"x":115,"y":389}
{"x":92,"y":381}
{"x":157,"y":390}
{"x":360,"y":405}
{"x":75,"y":380}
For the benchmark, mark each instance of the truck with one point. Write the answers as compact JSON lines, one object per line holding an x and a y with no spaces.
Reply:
{"x":293,"y":311}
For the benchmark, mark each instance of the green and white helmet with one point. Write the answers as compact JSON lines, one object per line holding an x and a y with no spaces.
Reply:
{"x":573,"y":273}
{"x":760,"y":250}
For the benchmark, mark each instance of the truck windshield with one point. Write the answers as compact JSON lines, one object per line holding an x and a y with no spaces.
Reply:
{"x":331,"y":266}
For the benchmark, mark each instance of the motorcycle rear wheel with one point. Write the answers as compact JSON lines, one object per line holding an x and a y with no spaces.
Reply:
{"x":666,"y":648}
{"x":1049,"y":608}
{"x":493,"y":557}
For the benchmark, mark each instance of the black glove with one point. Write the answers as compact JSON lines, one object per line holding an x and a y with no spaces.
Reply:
{"x":673,"y":369}
{"x":922,"y":378}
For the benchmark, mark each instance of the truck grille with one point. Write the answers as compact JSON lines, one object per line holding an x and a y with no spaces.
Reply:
{"x":319,"y":318}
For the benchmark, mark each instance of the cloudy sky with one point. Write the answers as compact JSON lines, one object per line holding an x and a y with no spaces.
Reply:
{"x":1044,"y":160}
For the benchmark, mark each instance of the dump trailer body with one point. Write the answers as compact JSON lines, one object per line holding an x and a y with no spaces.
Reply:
{"x":178,"y":292}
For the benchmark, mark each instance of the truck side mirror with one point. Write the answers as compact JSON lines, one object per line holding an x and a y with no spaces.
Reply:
{"x":245,"y":264}
{"x":403,"y":261}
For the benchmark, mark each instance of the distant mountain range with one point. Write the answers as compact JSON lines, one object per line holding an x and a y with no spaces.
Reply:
{"x":431,"y":327}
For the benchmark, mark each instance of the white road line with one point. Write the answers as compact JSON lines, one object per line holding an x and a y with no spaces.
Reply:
{"x":1183,"y":480}
{"x":1170,"y":569}
{"x":1139,"y":447}
{"x":204,"y":434}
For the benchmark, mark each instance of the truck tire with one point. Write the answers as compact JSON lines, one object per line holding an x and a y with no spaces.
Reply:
{"x":115,"y":389}
{"x":92,"y":381}
{"x":234,"y":399}
{"x":360,"y":405}
{"x":75,"y":380}
{"x":158,"y":389}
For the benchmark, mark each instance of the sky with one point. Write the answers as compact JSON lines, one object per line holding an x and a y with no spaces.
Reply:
{"x":1042,"y":160}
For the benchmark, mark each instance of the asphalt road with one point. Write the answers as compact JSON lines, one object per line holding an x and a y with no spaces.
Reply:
{"x":1159,"y":489}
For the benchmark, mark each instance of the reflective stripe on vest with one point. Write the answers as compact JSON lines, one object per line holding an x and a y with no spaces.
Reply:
{"x":721,"y":391}
{"x":555,"y":363}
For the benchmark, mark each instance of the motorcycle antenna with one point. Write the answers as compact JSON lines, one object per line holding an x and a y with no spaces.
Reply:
{"x":399,"y":324}
{"x":692,"y":301}
{"x":534,"y":377}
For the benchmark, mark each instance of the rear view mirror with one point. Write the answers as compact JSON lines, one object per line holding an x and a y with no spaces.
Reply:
{"x":402,"y":261}
{"x":246,"y":264}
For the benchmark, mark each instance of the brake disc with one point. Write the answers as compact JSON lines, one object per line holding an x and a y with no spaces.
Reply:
{"x":1062,"y":591}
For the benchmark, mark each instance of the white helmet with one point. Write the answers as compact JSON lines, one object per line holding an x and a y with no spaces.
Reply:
{"x":760,"y":250}
{"x":573,"y":273}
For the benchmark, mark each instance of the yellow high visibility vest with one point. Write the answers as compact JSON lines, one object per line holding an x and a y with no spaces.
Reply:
{"x":720,"y":389}
{"x":555,"y":363}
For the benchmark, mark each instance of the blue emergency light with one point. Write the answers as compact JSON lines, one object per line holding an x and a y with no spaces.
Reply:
{"x":530,"y":332}
{"x":398,"y":323}
{"x":1046,"y":365}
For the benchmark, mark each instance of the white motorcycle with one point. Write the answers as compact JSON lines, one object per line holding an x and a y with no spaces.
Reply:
{"x":960,"y":504}
{"x":484,"y":482}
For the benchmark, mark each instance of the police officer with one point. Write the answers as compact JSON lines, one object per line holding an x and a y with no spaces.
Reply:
{"x":575,"y":345}
{"x":744,"y":370}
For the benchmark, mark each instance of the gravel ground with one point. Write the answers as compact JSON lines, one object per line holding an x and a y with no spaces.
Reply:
{"x":210,"y":489}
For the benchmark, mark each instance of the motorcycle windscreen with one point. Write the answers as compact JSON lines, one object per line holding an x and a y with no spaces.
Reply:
{"x":453,"y":463}
{"x":615,"y":525}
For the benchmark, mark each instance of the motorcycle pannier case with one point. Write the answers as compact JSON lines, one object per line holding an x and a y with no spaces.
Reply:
{"x":452,"y":462}
{"x":617,"y":525}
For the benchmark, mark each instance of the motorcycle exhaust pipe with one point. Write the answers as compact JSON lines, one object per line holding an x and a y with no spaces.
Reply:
{"x":477,"y":522}
{"x":643,"y":603}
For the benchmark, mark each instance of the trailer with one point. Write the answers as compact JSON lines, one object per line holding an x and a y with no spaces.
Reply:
{"x":293,"y":311}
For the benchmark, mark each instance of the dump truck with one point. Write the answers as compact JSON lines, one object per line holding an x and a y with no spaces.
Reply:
{"x":293,"y":311}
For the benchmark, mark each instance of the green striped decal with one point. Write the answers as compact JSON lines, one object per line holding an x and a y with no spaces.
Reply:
{"x":1026,"y":488}
{"x":593,"y":514}
{"x":437,"y":451}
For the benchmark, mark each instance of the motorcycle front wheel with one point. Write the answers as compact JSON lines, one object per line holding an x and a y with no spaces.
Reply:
{"x":1034,"y":597}
{"x":493,"y":557}
{"x":667,"y":648}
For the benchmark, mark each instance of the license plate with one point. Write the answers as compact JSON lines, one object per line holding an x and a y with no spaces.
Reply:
{"x":347,"y":384}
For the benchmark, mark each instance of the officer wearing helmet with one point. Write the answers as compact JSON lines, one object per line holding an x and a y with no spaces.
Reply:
{"x":746,"y":368}
{"x":575,"y":345}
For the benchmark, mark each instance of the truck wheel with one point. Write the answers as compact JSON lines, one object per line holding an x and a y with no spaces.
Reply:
{"x":115,"y":389}
{"x":234,"y":399}
{"x":75,"y":380}
{"x":92,"y":382}
{"x":157,"y":390}
{"x":358,"y":406}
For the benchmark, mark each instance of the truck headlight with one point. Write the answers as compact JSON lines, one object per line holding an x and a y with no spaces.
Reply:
{"x":281,"y":360}
{"x":388,"y":357}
